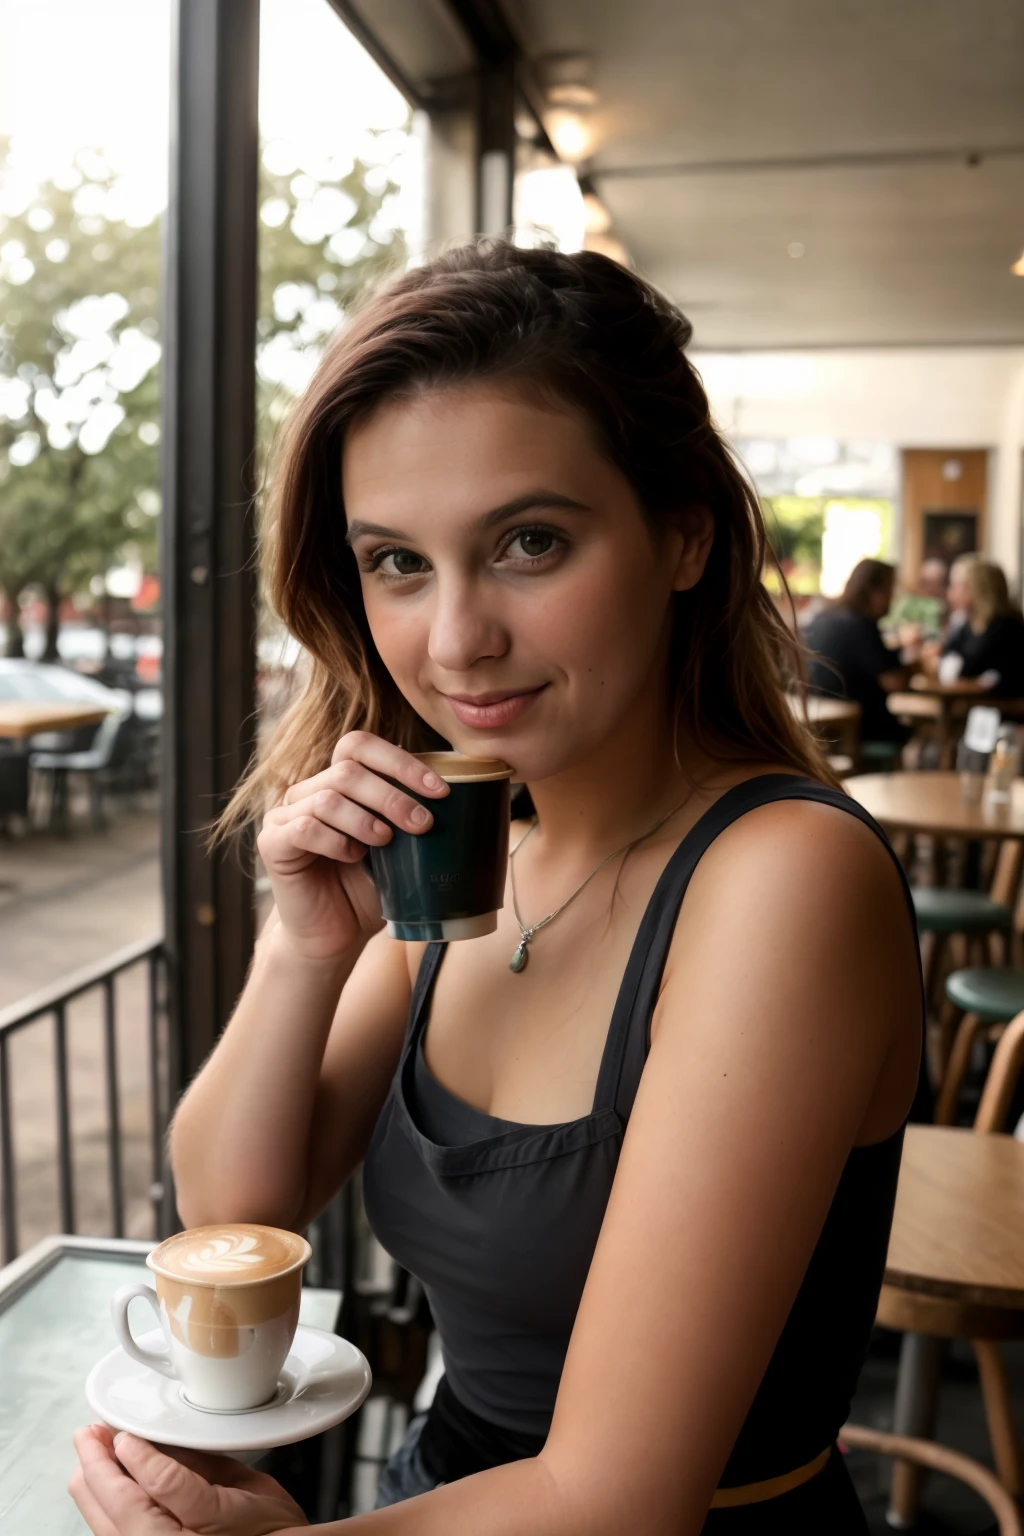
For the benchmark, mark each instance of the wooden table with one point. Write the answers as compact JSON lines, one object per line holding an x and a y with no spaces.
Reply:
{"x":21,"y":718}
{"x":842,"y":714}
{"x":945,"y":703}
{"x":54,"y":1324}
{"x":931,"y":802}
{"x":955,"y":1266}
{"x":958,"y":1227}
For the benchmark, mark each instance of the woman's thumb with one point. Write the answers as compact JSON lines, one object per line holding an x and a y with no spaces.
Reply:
{"x":182,"y":1492}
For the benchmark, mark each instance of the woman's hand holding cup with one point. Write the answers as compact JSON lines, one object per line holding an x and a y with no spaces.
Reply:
{"x":313,"y":843}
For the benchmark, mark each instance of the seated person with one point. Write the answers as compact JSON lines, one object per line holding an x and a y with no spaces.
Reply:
{"x":990,"y":640}
{"x":921,"y":614}
{"x":851,"y":660}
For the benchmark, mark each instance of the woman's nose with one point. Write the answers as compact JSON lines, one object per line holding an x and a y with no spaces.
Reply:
{"x":464,"y":628}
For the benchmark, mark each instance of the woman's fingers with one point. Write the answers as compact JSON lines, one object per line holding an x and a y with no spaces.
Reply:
{"x":384,"y":757}
{"x":184,"y":1494}
{"x":90,"y":1511}
{"x":225,"y":1471}
{"x":114,"y":1495}
{"x":288,"y":846}
{"x":336,"y":808}
{"x":359,"y":760}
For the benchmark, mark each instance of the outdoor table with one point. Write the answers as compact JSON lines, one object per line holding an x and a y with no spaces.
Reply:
{"x":20,"y":719}
{"x":931,"y":802}
{"x":958,"y":1240}
{"x":843,"y":714}
{"x":54,"y":1326}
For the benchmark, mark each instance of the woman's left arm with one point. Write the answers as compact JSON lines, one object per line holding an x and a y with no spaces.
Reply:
{"x":787,"y":1030}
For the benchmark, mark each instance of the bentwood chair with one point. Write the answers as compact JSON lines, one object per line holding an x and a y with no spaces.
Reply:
{"x":925,"y":1453}
{"x":984,"y":999}
{"x":979,"y":927}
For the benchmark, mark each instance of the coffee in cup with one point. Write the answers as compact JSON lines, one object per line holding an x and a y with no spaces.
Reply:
{"x":449,"y":882}
{"x":227,"y":1297}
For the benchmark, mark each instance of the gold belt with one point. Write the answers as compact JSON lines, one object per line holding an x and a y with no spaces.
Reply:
{"x":771,"y":1487}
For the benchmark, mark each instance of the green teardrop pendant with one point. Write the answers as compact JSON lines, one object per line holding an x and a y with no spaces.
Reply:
{"x":520,"y":957}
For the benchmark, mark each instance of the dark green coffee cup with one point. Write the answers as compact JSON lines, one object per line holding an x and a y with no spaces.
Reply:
{"x":449,"y":883}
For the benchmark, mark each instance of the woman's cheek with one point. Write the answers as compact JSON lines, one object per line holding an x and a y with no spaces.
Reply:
{"x":401,"y":640}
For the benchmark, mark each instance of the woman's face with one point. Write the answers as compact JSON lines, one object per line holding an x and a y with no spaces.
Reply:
{"x":958,"y":593}
{"x":512,"y":585}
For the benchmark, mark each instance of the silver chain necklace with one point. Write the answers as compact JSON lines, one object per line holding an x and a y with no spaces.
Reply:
{"x":520,"y":957}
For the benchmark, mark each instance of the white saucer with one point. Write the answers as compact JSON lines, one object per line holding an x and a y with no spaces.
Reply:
{"x":324,"y":1379}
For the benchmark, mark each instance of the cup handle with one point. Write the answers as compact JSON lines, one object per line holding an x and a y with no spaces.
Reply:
{"x":119,"y":1302}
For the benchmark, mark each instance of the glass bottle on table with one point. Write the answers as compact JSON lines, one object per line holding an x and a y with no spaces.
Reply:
{"x":1004,"y":765}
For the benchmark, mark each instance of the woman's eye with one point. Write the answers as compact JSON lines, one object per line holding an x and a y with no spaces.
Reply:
{"x":399,"y":562}
{"x":531,"y":544}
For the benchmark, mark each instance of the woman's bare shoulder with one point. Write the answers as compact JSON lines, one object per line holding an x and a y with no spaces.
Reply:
{"x":798,"y":910}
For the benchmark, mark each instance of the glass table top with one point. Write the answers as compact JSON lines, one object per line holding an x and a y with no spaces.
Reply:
{"x":52,"y":1332}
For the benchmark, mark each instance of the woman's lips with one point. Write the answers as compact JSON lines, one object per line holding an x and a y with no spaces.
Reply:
{"x":490,"y":711}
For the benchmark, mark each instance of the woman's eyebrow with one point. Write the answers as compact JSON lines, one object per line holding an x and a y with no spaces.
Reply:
{"x":529,"y":501}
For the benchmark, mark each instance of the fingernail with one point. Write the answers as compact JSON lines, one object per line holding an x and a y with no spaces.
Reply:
{"x":121,"y":1435}
{"x":431,"y":781}
{"x":419,"y":816}
{"x":381,"y":827}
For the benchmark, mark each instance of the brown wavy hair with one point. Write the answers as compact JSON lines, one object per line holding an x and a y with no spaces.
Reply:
{"x":866,"y":579}
{"x":587,"y":333}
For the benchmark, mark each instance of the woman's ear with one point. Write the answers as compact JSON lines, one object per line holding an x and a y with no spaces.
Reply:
{"x":696,"y":529}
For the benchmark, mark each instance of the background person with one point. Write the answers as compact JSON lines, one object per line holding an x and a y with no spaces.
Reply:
{"x":920,"y":615}
{"x":990,"y":639}
{"x":648,"y":1179}
{"x":851,"y":660}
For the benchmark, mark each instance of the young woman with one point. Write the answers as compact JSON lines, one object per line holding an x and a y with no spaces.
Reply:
{"x":647,"y":1179}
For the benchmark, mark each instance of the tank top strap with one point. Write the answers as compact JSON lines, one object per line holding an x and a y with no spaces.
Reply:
{"x":629,"y":1032}
{"x":419,"y":1010}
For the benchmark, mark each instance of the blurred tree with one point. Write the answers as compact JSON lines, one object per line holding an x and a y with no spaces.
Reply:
{"x":795,"y":525}
{"x":324,"y":239}
{"x":79,"y":399}
{"x":79,"y":349}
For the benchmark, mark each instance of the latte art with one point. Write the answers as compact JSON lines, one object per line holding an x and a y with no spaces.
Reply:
{"x":225,"y":1254}
{"x":229,"y":1255}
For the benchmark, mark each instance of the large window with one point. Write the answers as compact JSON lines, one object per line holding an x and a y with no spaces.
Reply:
{"x":83,"y":184}
{"x":340,"y":207}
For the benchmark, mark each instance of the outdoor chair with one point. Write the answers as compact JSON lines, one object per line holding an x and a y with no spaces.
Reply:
{"x":110,"y":752}
{"x":13,"y":785}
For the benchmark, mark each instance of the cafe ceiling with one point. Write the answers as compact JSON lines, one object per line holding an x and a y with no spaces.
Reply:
{"x":809,"y":172}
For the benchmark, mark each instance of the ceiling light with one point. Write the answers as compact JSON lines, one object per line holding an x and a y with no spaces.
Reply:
{"x":796,"y":249}
{"x":569,"y":134}
{"x":1018,"y":267}
{"x":567,"y":79}
{"x":570,"y":95}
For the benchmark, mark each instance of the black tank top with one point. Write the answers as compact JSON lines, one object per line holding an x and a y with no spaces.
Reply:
{"x":500,"y":1220}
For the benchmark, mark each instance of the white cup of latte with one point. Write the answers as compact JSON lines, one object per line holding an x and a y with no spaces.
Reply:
{"x":227,"y":1297}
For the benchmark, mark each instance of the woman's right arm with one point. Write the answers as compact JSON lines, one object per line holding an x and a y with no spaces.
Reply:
{"x":282,"y":1111}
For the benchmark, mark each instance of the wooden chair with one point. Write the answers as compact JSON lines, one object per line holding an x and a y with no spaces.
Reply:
{"x":925,"y":1453}
{"x":985,"y":1000}
{"x":983,"y":1321}
{"x":981,"y":926}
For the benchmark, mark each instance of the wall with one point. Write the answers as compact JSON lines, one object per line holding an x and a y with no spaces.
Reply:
{"x":940,"y":397}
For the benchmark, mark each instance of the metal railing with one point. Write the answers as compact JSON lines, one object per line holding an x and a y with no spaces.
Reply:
{"x":52,"y":1002}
